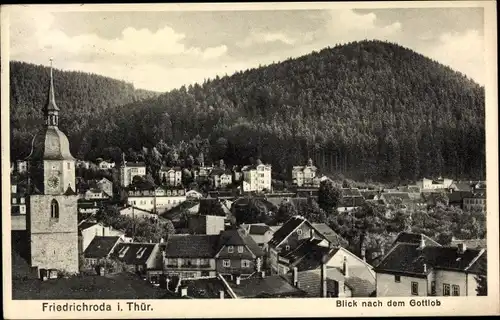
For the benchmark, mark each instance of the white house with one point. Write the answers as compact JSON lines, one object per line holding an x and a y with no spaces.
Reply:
{"x":305,"y":175}
{"x":428,"y":269}
{"x":429,"y":184}
{"x":162,"y":198}
{"x":129,"y":170}
{"x":257,"y":177}
{"x":87,"y":230}
{"x":193,"y":194}
{"x":106,"y":165}
{"x":170,"y":176}
{"x":220,"y":178}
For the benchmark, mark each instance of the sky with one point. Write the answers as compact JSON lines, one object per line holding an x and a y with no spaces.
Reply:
{"x":163,"y":50}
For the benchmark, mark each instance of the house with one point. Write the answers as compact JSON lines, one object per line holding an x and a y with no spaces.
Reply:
{"x":428,"y":269}
{"x":349,"y":203}
{"x":261,"y":285}
{"x":430,"y":184}
{"x":93,"y":194}
{"x":203,"y":288}
{"x":22,"y":166}
{"x":261,"y":233}
{"x":189,"y":256}
{"x":475,"y":202}
{"x":193,"y":194}
{"x":89,"y":208}
{"x":400,"y":200}
{"x":100,"y":248}
{"x":237,"y":254}
{"x":87,"y":230}
{"x":305,"y":175}
{"x":220,"y":178}
{"x":327,"y":282}
{"x":83,"y":164}
{"x":237,"y":174}
{"x":456,"y":198}
{"x":170,"y":176}
{"x":105,"y":165}
{"x":18,"y":200}
{"x":105,"y":185}
{"x":129,"y":170}
{"x":160,"y":199}
{"x":257,"y":178}
{"x":206,"y":224}
{"x":143,"y":258}
{"x":289,"y":237}
{"x":135,"y":212}
{"x":262,"y":204}
{"x":202,"y":173}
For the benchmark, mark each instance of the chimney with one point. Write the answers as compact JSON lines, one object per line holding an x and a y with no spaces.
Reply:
{"x":238,"y":280}
{"x":295,"y":277}
{"x":184,"y":291}
{"x":345,"y":268}
{"x":262,"y":274}
{"x":221,"y":294}
{"x":422,"y":242}
{"x":461,"y":247}
{"x":323,"y":280}
{"x":425,"y":268}
{"x":312,"y":233}
{"x":162,"y":240}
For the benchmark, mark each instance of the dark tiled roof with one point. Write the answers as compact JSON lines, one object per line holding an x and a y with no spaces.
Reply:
{"x":308,"y":255}
{"x":132,"y":256}
{"x":269,"y":286}
{"x":135,"y":164}
{"x":351,"y":201}
{"x":360,"y":287}
{"x":190,"y":246}
{"x":258,"y":229}
{"x":237,"y":237}
{"x":410,"y":259}
{"x":100,"y":247}
{"x":86,"y":224}
{"x":285,"y":230}
{"x":394,"y":197}
{"x":329,"y":234}
{"x":310,"y":280}
{"x":205,"y":288}
{"x":351,"y":192}
{"x":211,"y":207}
{"x":415,"y":238}
{"x":458,"y":196}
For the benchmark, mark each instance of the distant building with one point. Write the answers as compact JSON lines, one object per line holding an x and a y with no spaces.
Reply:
{"x":305,"y":175}
{"x":161,"y":198}
{"x":106,"y":165}
{"x":430,"y":184}
{"x":257,"y":178}
{"x":105,"y":185}
{"x":129,"y":170}
{"x":88,"y":207}
{"x":87,"y":230}
{"x":143,"y":258}
{"x":170,"y":176}
{"x":261,"y":233}
{"x":220,"y":178}
{"x":348,"y":204}
{"x":206,"y":224}
{"x":95,"y":194}
{"x":18,"y":208}
{"x":193,"y":194}
{"x":137,"y":213}
{"x":202,"y":173}
{"x":418,"y":266}
{"x":83,"y":164}
{"x":476,"y":201}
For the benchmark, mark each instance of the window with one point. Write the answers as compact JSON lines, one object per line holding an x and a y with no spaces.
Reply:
{"x":245,"y":263}
{"x":226,"y":263}
{"x":433,"y":288}
{"x":69,"y":165}
{"x":123,"y":251}
{"x":240,"y":249}
{"x":397,"y":278}
{"x":230,"y":249}
{"x":287,"y":247}
{"x":140,"y":253}
{"x":414,"y":288}
{"x":14,"y":200}
{"x":22,"y":209}
{"x":456,"y":290}
{"x":299,"y":232}
{"x":446,"y":289}
{"x":54,"y":209}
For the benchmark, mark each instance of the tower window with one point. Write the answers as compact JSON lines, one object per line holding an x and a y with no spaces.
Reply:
{"x":54,"y":209}
{"x":69,"y":165}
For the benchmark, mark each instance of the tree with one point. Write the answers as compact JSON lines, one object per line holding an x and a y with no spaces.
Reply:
{"x":285,"y":211}
{"x":328,"y":196}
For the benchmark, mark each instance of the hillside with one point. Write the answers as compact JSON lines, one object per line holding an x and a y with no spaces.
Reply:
{"x":369,"y":110}
{"x":82,"y":97}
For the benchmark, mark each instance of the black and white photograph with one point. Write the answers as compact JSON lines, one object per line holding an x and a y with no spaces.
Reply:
{"x":335,"y":152}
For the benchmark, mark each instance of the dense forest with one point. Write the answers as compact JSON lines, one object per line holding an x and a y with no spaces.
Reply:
{"x":369,"y":110}
{"x":82,"y":98}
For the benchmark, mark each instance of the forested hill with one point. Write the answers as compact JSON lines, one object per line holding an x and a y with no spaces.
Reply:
{"x":82,"y":98}
{"x":367,"y":109}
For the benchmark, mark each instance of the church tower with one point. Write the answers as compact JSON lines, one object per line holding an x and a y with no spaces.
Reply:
{"x":53,"y":214}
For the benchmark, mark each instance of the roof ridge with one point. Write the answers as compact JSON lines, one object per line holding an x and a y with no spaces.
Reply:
{"x":481,"y":252}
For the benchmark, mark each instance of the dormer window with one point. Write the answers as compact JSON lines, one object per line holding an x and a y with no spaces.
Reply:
{"x":230,"y":249}
{"x":123,"y":251}
{"x":287,"y":248}
{"x":299,"y":232}
{"x":240,"y":249}
{"x":140,"y":253}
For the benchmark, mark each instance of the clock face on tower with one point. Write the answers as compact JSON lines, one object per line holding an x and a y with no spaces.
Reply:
{"x":53,"y":182}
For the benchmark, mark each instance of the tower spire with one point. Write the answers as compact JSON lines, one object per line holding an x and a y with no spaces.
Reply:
{"x":51,"y":109}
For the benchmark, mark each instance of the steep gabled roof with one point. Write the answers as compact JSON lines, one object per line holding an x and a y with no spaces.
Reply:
{"x":136,"y":254}
{"x":415,"y":238}
{"x":190,"y":246}
{"x":269,"y":286}
{"x":101,"y":247}
{"x":285,"y":230}
{"x":237,"y":237}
